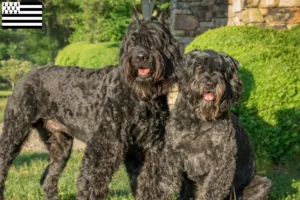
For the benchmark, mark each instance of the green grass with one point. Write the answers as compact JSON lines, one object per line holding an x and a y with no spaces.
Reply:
{"x":24,"y":176}
{"x":3,"y":99}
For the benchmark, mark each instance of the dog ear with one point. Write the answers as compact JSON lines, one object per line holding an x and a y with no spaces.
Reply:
{"x":164,"y":16}
{"x":135,"y":17}
{"x":235,"y":82}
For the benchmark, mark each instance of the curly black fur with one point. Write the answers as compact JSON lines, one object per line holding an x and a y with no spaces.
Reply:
{"x":210,"y":148}
{"x":120,"y":112}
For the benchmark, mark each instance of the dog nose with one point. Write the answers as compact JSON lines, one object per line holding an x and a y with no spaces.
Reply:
{"x":210,"y":84}
{"x":142,"y":56}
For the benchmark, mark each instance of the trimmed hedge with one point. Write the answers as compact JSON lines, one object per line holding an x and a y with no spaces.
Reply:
{"x":270,"y":70}
{"x":88,"y":55}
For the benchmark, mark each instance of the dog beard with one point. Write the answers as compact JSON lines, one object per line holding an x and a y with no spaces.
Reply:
{"x":151,"y":85}
{"x":211,"y":104}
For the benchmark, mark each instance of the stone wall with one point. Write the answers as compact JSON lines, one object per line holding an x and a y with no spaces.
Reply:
{"x":190,"y":18}
{"x":276,"y":14}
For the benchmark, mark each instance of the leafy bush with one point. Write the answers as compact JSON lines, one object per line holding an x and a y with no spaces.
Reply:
{"x":12,"y":70}
{"x":270,"y":71}
{"x":88,"y":55}
{"x":30,"y":45}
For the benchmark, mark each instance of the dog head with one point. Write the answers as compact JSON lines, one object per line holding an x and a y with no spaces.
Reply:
{"x":148,"y":55}
{"x":210,"y":82}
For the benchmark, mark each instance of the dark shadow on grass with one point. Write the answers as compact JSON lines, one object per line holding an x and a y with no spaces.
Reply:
{"x":114,"y":45}
{"x":27,"y":158}
{"x":67,"y":197}
{"x":119,"y":193}
{"x":111,"y":194}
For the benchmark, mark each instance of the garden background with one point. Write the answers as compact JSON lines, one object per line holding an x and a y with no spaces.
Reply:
{"x":87,"y":33}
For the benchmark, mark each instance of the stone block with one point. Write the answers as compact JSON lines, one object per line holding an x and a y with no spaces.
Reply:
{"x":225,"y":2}
{"x":177,"y":11}
{"x":208,"y":14}
{"x":200,"y":12}
{"x":220,"y":22}
{"x":207,"y":2}
{"x":264,"y":11}
{"x":257,"y":24}
{"x":207,"y":24}
{"x":201,"y":30}
{"x":178,"y":32}
{"x":279,"y":16}
{"x":289,"y":3}
{"x":173,"y":5}
{"x":236,"y":6}
{"x":255,"y":16}
{"x":268,"y":3}
{"x":230,"y":22}
{"x":189,"y":34}
{"x":238,"y":19}
{"x":252,"y":3}
{"x":230,"y":13}
{"x":276,"y":26}
{"x":246,"y":16}
{"x":186,"y":22}
{"x":220,"y":8}
{"x":184,"y":40}
{"x":220,"y":14}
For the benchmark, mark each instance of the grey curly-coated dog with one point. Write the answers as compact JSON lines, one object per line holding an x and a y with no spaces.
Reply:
{"x":208,"y":145}
{"x":120,"y":112}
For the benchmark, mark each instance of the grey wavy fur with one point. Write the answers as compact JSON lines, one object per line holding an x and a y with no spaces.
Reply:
{"x":209,"y":153}
{"x":119,"y":112}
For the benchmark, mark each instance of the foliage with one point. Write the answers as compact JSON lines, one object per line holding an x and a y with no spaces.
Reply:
{"x":12,"y":70}
{"x":101,"y":20}
{"x":88,"y":55}
{"x":270,"y":71}
{"x":31,"y":45}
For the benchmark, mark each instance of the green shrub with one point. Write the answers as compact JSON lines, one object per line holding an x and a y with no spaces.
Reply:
{"x":88,"y":55}
{"x":270,"y":71}
{"x":12,"y":70}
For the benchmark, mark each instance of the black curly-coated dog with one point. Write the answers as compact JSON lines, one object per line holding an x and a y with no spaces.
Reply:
{"x":213,"y":152}
{"x":120,"y":112}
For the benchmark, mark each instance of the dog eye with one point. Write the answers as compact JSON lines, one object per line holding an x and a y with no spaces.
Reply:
{"x":133,"y":37}
{"x":199,"y":68}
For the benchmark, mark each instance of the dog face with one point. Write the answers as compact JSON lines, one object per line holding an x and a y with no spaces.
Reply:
{"x":148,"y":55}
{"x":210,"y":82}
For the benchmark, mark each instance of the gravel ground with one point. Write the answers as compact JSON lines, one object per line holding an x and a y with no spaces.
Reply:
{"x":35,"y":144}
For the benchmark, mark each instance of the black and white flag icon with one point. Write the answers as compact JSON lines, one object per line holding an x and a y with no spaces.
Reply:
{"x":22,"y":15}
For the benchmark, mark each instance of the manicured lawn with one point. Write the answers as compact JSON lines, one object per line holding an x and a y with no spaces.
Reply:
{"x":24,"y":176}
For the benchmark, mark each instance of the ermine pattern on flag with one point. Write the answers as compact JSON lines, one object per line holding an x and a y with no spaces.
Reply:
{"x":22,"y":15}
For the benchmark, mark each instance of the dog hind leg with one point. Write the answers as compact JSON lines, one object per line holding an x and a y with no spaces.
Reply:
{"x":15,"y":132}
{"x":59,"y":145}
